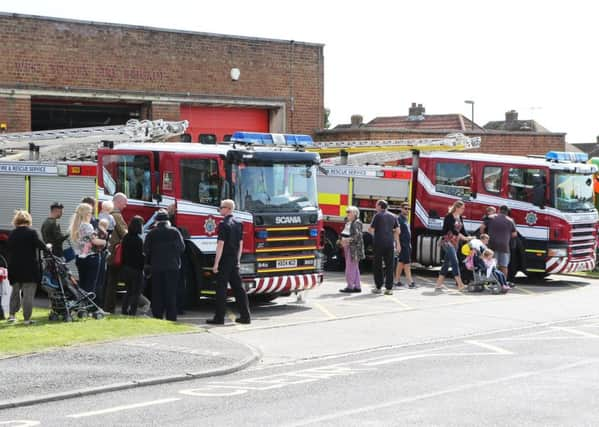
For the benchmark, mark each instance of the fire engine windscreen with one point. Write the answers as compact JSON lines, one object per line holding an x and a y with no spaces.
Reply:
{"x":573,"y":192}
{"x":276,"y":187}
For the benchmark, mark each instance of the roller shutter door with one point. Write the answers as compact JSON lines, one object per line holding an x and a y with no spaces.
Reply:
{"x":12,"y":196}
{"x":67,"y":190}
{"x":222,"y":121}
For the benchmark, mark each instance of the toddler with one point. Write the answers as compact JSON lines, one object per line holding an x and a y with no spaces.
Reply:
{"x":491,"y":265}
{"x":106,"y":213}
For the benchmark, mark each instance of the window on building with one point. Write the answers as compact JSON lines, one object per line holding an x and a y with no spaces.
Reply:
{"x":454,"y":179}
{"x":492,"y":178}
{"x":522,"y":181}
{"x":200,"y":181}
{"x":128,"y":174}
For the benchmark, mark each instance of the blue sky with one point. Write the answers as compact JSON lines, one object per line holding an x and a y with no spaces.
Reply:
{"x":538,"y":58}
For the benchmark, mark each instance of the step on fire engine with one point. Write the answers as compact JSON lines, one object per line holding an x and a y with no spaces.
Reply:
{"x":551,"y":199}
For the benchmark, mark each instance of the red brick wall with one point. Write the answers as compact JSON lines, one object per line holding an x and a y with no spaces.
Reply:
{"x":493,"y":142}
{"x":51,"y":54}
{"x":16,"y":113}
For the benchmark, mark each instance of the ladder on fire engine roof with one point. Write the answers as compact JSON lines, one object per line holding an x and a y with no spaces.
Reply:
{"x":77,"y":143}
{"x":381,"y":151}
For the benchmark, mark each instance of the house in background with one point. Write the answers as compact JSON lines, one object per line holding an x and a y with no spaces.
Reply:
{"x":512,"y":136}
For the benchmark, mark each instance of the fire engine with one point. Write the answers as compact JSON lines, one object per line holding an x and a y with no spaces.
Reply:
{"x":271,"y":178}
{"x":551,"y":201}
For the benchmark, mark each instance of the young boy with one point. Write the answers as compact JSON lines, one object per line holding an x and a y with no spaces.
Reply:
{"x":106,"y":213}
{"x":405,"y":241}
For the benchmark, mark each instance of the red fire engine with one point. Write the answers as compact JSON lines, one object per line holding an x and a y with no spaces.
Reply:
{"x":270,"y":177}
{"x":551,"y":201}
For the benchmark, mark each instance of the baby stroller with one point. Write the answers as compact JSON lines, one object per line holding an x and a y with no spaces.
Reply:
{"x":67,"y":300}
{"x":476,"y":271}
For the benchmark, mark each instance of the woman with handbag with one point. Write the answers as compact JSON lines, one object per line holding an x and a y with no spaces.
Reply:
{"x":453,"y":233}
{"x":353,"y":249}
{"x":83,"y":240}
{"x":23,"y":265}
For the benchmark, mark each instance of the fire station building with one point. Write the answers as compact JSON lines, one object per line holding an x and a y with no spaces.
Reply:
{"x":59,"y":73}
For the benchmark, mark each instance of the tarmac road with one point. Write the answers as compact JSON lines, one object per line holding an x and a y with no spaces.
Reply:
{"x":414,"y":358}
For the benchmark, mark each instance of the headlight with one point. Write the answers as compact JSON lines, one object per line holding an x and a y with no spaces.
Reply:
{"x":247,"y":268}
{"x":558,"y":252}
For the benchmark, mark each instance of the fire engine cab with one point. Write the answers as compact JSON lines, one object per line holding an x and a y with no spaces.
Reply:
{"x":269,"y":176}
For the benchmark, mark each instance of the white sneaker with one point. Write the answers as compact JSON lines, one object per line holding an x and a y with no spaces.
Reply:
{"x":388,"y":291}
{"x":29,"y":322}
{"x":376,"y":291}
{"x":11,"y":319}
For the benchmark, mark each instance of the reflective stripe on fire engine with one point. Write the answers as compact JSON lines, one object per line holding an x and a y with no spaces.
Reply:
{"x":286,"y":228}
{"x":578,"y":218}
{"x":333,"y":204}
{"x":276,"y":270}
{"x":535,"y":251}
{"x":285,"y":239}
{"x":284,"y":283}
{"x":292,"y":248}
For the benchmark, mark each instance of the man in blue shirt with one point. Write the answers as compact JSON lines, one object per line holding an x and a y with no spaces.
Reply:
{"x":385,"y":228}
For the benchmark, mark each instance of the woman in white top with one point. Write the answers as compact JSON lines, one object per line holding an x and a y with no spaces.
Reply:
{"x":83,"y":239}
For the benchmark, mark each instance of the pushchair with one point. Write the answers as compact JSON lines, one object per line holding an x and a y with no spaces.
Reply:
{"x":67,"y":299}
{"x":476,"y":272}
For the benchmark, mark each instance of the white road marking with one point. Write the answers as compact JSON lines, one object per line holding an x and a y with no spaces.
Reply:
{"x":457,"y":389}
{"x":20,"y":423}
{"x":324,"y":310}
{"x":123,"y":408}
{"x":493,"y":348}
{"x":575,"y":332}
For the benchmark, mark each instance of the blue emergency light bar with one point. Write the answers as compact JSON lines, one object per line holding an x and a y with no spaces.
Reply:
{"x":257,"y":138}
{"x":566,"y":156}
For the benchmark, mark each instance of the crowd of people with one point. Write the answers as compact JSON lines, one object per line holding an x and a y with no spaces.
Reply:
{"x":107,"y":250}
{"x":392,"y":246}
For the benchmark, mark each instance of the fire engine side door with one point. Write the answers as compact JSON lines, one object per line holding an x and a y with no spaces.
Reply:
{"x":196,"y":182}
{"x":130,"y":172}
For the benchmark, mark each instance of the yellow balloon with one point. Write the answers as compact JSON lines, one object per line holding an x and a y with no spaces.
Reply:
{"x":465,"y":249}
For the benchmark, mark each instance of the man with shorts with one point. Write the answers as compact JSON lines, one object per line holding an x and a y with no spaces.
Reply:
{"x":501,"y":229}
{"x":405,"y":253}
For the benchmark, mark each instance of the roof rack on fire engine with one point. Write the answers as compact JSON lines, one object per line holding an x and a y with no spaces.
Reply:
{"x":272,"y":139}
{"x":382,"y":151}
{"x":83,"y":142}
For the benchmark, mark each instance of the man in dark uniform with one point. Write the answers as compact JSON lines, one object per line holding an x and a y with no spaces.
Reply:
{"x":51,"y":232}
{"x":226,"y":266}
{"x":385,"y":228}
{"x":163,"y":248}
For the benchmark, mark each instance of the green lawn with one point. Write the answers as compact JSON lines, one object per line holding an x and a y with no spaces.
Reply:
{"x":18,"y":338}
{"x":592,"y":274}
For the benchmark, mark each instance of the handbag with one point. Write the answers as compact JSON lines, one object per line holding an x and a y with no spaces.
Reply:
{"x":68,"y":254}
{"x":117,"y":260}
{"x":450,"y":239}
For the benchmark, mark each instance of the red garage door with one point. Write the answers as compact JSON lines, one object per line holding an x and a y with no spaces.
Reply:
{"x":223,"y":121}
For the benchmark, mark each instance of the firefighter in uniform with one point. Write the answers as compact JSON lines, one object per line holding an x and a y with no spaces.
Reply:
{"x":226,"y":266}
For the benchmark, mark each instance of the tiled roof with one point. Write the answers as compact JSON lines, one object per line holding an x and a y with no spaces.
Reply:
{"x":451,"y":122}
{"x":516,"y":126}
{"x":591,"y":149}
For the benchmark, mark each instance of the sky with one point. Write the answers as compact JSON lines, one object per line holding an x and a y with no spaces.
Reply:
{"x":536,"y":57}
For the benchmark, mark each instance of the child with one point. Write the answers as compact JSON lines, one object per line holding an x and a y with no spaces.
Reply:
{"x":106,"y":213}
{"x":491,"y":265}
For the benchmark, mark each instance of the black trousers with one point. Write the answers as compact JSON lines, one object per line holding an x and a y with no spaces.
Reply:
{"x":134,"y":285}
{"x":164,"y":294}
{"x":228,"y":273}
{"x":383,"y":255}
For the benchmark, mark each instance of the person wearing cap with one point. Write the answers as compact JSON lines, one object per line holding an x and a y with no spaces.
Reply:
{"x":51,"y":232}
{"x":163,"y":248}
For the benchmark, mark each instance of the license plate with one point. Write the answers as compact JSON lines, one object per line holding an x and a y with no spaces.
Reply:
{"x":286,"y":263}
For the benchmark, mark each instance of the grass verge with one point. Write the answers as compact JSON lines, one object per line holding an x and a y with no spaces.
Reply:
{"x":592,"y":274}
{"x":18,"y":338}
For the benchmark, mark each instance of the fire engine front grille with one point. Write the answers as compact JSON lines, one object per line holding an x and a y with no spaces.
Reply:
{"x":582,"y":240}
{"x":285,"y":250}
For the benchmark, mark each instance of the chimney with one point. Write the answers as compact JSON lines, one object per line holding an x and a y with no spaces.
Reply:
{"x":416,"y":112}
{"x":511,"y":116}
{"x":356,"y":120}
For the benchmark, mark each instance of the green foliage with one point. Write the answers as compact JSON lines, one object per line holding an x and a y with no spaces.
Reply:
{"x":19,"y":338}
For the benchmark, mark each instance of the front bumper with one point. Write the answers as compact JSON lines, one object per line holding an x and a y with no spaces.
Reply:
{"x":282,"y":284}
